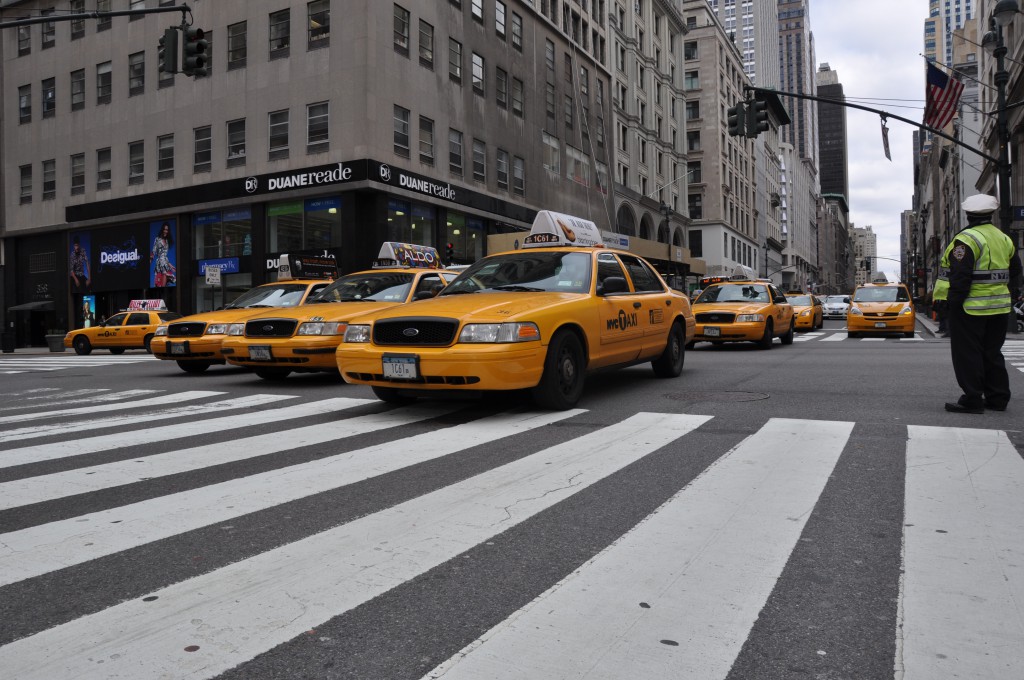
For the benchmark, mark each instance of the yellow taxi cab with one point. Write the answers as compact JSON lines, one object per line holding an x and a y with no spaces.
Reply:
{"x":133,"y":328}
{"x":303,"y":339}
{"x":807,"y":310}
{"x":742,"y":308}
{"x":881,"y":307}
{"x":538,"y":318}
{"x":194,"y":341}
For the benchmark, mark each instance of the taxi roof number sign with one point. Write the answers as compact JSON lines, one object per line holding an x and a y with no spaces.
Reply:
{"x":558,"y":229}
{"x":306,"y":267}
{"x":393,"y":254}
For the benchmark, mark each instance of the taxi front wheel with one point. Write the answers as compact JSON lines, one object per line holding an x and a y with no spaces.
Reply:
{"x":561,"y":384}
{"x":82,"y":345}
{"x":787,"y":339}
{"x":769,"y":336}
{"x":670,"y":363}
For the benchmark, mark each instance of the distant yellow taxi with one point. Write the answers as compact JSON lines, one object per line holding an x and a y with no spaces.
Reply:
{"x":133,"y":328}
{"x":807,"y":310}
{"x":743,"y":309}
{"x":304,"y":339}
{"x":539,"y":318}
{"x":881,"y":307}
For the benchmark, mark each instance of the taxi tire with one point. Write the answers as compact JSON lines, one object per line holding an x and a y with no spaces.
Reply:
{"x":391,"y":395}
{"x":769,"y":336}
{"x":82,"y":345}
{"x":117,"y":350}
{"x":272,"y":374}
{"x":561,"y":384}
{"x":194,"y":366}
{"x":787,"y":339}
{"x":670,"y":363}
{"x":146,"y":341}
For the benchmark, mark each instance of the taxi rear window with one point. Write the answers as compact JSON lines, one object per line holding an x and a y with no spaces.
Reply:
{"x":881,"y":294}
{"x":735,"y":292}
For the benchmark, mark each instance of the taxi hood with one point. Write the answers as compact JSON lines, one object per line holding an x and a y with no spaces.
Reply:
{"x":485,"y":307}
{"x":224,"y":315}
{"x":729,"y":307}
{"x":328,"y":311}
{"x":877,"y":307}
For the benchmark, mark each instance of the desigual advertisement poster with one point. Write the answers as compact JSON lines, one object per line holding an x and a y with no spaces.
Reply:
{"x":131,"y":256}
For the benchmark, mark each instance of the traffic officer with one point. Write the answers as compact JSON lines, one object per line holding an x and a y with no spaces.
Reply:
{"x":977,"y":270}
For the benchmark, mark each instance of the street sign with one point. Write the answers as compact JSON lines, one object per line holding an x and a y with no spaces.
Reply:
{"x":212,"y":275}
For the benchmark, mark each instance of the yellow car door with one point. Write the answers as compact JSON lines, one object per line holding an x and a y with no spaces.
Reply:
{"x":621,"y":336}
{"x":111,"y":332}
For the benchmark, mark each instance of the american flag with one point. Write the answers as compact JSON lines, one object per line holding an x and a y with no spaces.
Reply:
{"x":943,"y":95}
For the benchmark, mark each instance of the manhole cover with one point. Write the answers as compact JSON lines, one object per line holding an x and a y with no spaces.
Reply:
{"x":716,"y":396}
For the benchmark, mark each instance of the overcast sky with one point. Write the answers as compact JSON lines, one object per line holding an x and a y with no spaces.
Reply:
{"x":875,"y":47}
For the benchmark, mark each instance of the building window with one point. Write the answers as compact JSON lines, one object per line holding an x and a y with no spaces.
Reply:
{"x":103,"y":22}
{"x":277,"y":122}
{"x":455,"y":152}
{"x":25,"y":104}
{"x":103,"y":169}
{"x":49,"y":30}
{"x":49,"y":180}
{"x":691,"y":81}
{"x":426,"y":141}
{"x":693,"y":140}
{"x":236,"y":142}
{"x":695,"y":204}
{"x":477,"y":10}
{"x":690,"y":50}
{"x":280,"y":33}
{"x":78,"y":89}
{"x":136,"y":163}
{"x":201,"y":159}
{"x":318,"y":129}
{"x":552,"y":153}
{"x":517,"y":97}
{"x":455,"y":60}
{"x":24,"y":40}
{"x":568,"y":112}
{"x":502,"y":169}
{"x":499,"y":18}
{"x":165,"y":157}
{"x":136,"y":4}
{"x":26,"y":184}
{"x":577,"y":166}
{"x":237,"y":45}
{"x":49,"y":97}
{"x":426,"y":44}
{"x":401,"y":30}
{"x":77,"y":174}
{"x":549,"y":105}
{"x":518,"y":176}
{"x":103,"y":83}
{"x":501,"y":87}
{"x":136,"y":73}
{"x":694,"y":173}
{"x":479,"y":161}
{"x":693,"y":110}
{"x":319,"y":32}
{"x":517,"y":31}
{"x":401,"y":131}
{"x":478,"y":74}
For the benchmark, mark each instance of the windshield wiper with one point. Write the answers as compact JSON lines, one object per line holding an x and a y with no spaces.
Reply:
{"x":457,"y":292}
{"x":526,"y":289}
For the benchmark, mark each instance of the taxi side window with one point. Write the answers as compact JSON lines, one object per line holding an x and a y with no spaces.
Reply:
{"x":902,"y":295}
{"x":116,"y":320}
{"x":644,"y":280}
{"x":777,"y":296}
{"x":138,"y":319}
{"x":608,"y":266}
{"x":429,"y":286}
{"x":316,"y":289}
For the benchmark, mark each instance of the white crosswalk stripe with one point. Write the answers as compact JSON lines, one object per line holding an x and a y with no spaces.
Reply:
{"x":1013,"y":353}
{"x":709,"y":558}
{"x":33,"y":363}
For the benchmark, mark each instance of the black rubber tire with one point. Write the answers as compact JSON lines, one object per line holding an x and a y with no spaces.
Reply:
{"x":769,"y":335}
{"x":272,"y":374}
{"x":909,"y":334}
{"x":117,"y":350}
{"x":787,"y":339}
{"x":561,"y":384}
{"x":690,"y":344}
{"x":391,"y":395}
{"x":146,"y":342}
{"x":670,"y":363}
{"x":194,"y":366}
{"x":852,"y":334}
{"x":82,"y":345}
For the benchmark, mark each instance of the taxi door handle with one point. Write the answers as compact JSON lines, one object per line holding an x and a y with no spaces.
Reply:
{"x":637,"y":305}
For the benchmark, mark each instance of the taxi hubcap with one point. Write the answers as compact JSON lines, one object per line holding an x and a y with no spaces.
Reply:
{"x":568,"y":371}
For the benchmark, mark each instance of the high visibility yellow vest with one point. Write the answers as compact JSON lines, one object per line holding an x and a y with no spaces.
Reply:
{"x":990,"y":290}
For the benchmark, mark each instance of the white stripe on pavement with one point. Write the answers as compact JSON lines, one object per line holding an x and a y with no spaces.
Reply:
{"x":232,"y":614}
{"x":705,"y":563}
{"x":963,"y":556}
{"x":872,"y":339}
{"x":841,"y":335}
{"x":97,"y":408}
{"x":37,"y":550}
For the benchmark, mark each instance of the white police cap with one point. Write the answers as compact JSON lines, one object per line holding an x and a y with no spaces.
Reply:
{"x":981,"y":204}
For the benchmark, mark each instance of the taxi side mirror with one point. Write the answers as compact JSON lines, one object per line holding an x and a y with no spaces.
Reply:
{"x":846,"y":300}
{"x":613,"y":284}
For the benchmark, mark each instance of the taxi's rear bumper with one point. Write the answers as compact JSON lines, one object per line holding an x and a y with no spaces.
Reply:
{"x":297,"y":353}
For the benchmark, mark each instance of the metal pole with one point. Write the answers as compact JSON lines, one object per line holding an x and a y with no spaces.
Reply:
{"x":1002,"y":77}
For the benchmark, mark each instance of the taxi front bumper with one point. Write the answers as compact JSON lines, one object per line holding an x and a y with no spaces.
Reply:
{"x":297,"y":353}
{"x":464,"y":366}
{"x":202,"y":348}
{"x":801,"y":321}
{"x":859,"y":323}
{"x":751,"y":331}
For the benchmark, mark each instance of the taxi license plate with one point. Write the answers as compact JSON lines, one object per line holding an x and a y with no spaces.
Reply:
{"x":879,"y":324}
{"x":400,"y":368}
{"x":712,"y":332}
{"x":259,"y":353}
{"x":178,"y":348}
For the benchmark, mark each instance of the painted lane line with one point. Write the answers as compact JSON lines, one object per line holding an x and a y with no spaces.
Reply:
{"x":232,"y":614}
{"x":872,"y":339}
{"x":97,"y":408}
{"x":963,"y":556}
{"x":835,"y":337}
{"x":38,"y":550}
{"x":706,"y":562}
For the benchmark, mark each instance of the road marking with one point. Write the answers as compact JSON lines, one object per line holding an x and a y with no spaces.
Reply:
{"x":963,"y":555}
{"x":872,"y":339}
{"x":808,"y":336}
{"x":840,"y":335}
{"x":705,"y":563}
{"x":234,"y":613}
{"x":98,"y":408}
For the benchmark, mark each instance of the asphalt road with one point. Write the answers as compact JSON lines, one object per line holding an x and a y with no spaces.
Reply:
{"x":809,"y":511}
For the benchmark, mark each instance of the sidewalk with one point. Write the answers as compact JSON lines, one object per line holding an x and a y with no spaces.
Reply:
{"x":928,"y":326}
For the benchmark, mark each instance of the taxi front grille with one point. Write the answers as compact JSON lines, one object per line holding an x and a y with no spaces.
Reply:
{"x":881,"y":315}
{"x":715,"y":317}
{"x":192,"y":329}
{"x":270,"y":328}
{"x":429,"y":332}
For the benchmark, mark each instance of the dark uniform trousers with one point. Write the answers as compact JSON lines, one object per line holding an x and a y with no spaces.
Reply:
{"x":976,"y":344}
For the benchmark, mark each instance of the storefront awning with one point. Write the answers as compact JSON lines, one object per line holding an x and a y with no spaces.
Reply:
{"x":39,"y":306}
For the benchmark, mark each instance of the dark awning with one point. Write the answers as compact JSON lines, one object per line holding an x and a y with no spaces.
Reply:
{"x":39,"y":306}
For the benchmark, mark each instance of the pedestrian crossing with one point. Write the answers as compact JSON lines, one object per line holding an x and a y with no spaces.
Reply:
{"x":179,"y":536}
{"x":1013,"y":354}
{"x":841,"y":335}
{"x":13,"y":364}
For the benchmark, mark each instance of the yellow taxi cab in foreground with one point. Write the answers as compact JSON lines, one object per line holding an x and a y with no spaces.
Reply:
{"x":133,"y":328}
{"x":538,"y":318}
{"x":303,"y":339}
{"x":807,"y":310}
{"x":194,"y":341}
{"x":743,"y":309}
{"x":881,"y":307}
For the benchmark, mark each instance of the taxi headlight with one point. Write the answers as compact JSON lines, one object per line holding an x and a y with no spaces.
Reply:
{"x":748,"y":318}
{"x":322,"y":328}
{"x":806,"y":312}
{"x":499,"y":332}
{"x":357,"y":334}
{"x":907,"y":310}
{"x":855,"y":311}
{"x":160,"y":331}
{"x":235,"y":329}
{"x":217,"y":329}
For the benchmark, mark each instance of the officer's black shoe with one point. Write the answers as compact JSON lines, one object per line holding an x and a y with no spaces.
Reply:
{"x":954,"y":407}
{"x":995,"y":407}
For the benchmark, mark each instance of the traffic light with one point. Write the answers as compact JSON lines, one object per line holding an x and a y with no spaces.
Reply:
{"x":193,"y":52}
{"x":167,"y":52}
{"x":867,"y":264}
{"x":449,"y":252}
{"x":736,"y":114}
{"x":757,"y":116}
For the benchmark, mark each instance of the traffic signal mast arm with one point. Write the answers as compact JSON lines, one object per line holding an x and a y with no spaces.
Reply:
{"x":184,"y":9}
{"x":884,"y":114}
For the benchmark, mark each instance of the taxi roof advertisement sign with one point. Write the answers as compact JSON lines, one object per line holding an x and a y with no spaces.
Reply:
{"x":410,"y":254}
{"x":299,"y":266}
{"x":558,"y":229}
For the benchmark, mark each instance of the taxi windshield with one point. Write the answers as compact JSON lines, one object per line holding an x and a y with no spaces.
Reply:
{"x":881,"y":294}
{"x":375,"y":286}
{"x":280,"y":295}
{"x":551,"y":272}
{"x":735,"y":292}
{"x":799,"y":300}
